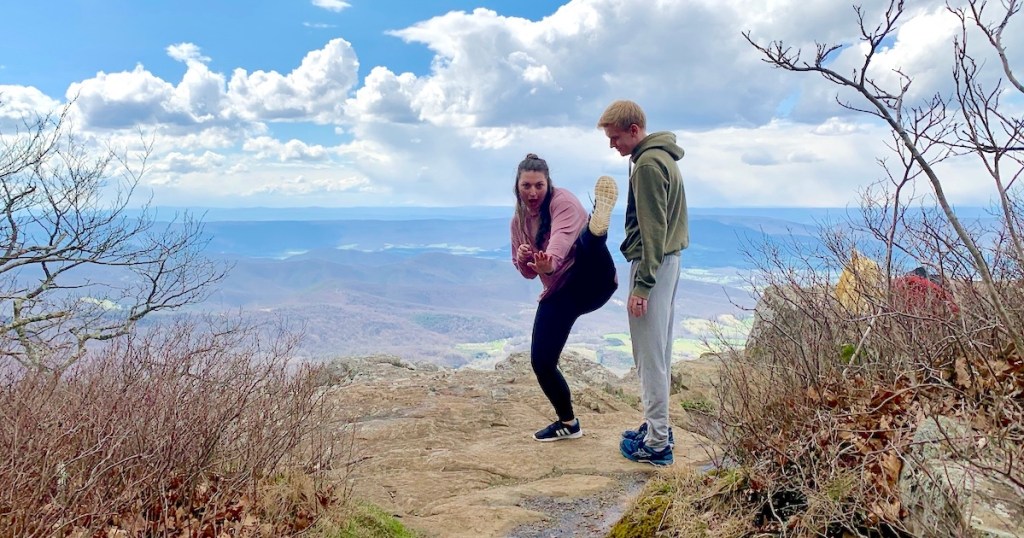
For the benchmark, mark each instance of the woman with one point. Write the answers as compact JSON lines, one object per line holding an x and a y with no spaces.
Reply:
{"x":553,"y":239}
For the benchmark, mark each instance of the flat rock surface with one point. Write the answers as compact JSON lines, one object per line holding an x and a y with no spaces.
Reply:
{"x":451,"y":453}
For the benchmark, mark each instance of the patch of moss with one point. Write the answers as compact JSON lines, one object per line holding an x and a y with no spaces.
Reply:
{"x":687,"y":504}
{"x":619,"y":394}
{"x":369,"y":521}
{"x":841,"y":487}
{"x":698,"y":405}
{"x":644,"y":519}
{"x":728,"y":479}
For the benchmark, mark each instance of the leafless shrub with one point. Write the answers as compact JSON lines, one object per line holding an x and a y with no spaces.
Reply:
{"x":822,"y":406}
{"x":180,"y":429}
{"x":852,"y":352}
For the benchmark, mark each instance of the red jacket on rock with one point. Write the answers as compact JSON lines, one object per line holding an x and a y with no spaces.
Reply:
{"x":921,"y":296}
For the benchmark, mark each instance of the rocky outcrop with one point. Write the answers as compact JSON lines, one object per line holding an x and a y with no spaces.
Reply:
{"x":781,"y":316}
{"x":451,"y":451}
{"x":945,"y":494}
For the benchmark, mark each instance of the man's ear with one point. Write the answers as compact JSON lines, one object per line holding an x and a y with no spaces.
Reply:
{"x":634,"y":129}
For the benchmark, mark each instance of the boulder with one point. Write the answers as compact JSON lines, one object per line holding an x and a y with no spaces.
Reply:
{"x":346,"y":369}
{"x":781,"y":311}
{"x":579,"y":371}
{"x":949,"y":497}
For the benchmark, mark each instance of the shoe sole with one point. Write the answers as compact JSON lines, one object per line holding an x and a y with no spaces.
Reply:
{"x":645,"y":460}
{"x":626,"y":435}
{"x":576,"y":435}
{"x":670,"y":445}
{"x":606,"y":193}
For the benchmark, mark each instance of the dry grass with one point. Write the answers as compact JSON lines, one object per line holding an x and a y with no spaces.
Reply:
{"x":179,"y":430}
{"x":816,"y":420}
{"x":822,"y":407}
{"x":680,"y":502}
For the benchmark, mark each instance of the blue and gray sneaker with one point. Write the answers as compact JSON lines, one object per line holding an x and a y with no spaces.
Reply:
{"x":641,"y":432}
{"x":558,"y":431}
{"x":636,"y":450}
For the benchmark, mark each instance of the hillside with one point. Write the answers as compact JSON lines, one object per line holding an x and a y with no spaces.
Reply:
{"x":423,"y":307}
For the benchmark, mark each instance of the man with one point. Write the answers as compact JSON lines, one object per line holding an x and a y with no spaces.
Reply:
{"x":656,"y":232}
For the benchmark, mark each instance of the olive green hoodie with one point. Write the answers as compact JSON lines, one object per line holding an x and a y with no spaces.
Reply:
{"x":656,"y":220}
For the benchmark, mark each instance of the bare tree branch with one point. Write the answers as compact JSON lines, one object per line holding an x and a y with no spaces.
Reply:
{"x":890,"y":107}
{"x":76,"y":265}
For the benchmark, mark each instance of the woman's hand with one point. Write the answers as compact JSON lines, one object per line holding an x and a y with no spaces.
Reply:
{"x":524,"y":254}
{"x":543,"y":263}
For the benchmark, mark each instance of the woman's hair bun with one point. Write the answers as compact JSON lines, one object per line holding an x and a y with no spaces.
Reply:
{"x":532,"y":156}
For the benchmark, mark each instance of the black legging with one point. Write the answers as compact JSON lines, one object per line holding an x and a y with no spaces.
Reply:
{"x":590,"y":283}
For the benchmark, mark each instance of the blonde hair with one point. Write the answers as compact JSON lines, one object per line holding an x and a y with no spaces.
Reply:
{"x":621,"y":114}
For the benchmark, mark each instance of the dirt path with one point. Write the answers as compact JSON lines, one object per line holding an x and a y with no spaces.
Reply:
{"x":592,"y":515}
{"x":451,"y":453}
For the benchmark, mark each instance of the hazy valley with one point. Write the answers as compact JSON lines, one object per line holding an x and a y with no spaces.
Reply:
{"x":437,"y":285}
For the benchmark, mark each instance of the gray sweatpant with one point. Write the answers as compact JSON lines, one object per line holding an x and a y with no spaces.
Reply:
{"x":652,"y":349}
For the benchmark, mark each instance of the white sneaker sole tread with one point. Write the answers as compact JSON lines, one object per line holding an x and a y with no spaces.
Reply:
{"x":606,"y":193}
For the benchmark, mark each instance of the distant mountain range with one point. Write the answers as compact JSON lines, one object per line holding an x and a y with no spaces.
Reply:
{"x":212,"y":214}
{"x":715,"y":240}
{"x":420,"y":282}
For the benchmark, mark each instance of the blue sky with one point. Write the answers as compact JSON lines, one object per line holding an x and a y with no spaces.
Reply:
{"x":392,"y":102}
{"x":53,"y":43}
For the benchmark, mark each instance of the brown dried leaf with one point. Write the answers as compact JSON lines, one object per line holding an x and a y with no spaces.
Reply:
{"x":962,"y":376}
{"x":886,"y":510}
{"x":891,"y":466}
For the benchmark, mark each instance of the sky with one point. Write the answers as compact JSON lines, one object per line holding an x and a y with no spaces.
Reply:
{"x":341,"y":103}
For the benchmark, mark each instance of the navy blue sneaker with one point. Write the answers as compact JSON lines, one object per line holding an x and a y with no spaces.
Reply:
{"x":558,"y":431}
{"x":635,"y":450}
{"x":641,"y":432}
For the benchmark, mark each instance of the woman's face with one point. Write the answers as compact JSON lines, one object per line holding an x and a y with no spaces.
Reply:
{"x":533,"y":187}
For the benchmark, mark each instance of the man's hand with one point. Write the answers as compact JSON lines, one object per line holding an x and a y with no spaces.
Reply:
{"x":637,"y":306}
{"x":524,"y":254}
{"x":542,"y":263}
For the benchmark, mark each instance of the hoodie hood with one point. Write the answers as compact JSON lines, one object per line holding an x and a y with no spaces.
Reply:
{"x":664,"y":140}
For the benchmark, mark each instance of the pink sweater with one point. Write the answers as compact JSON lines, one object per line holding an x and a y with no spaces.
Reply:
{"x":567,"y":221}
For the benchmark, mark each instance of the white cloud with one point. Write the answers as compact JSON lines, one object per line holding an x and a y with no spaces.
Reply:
{"x":186,"y":52}
{"x":203,"y":94}
{"x":384,"y":97}
{"x":301,"y":185}
{"x":266,"y":147}
{"x":781,"y":164}
{"x":268,"y":184}
{"x":922,"y":49}
{"x":493,"y":138}
{"x":499,"y":87}
{"x":492,"y":70}
{"x":315,"y":90}
{"x":125,"y":100}
{"x":836,"y":126}
{"x":138,"y":98}
{"x":18,"y":103}
{"x":181,"y":163}
{"x":331,"y":5}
